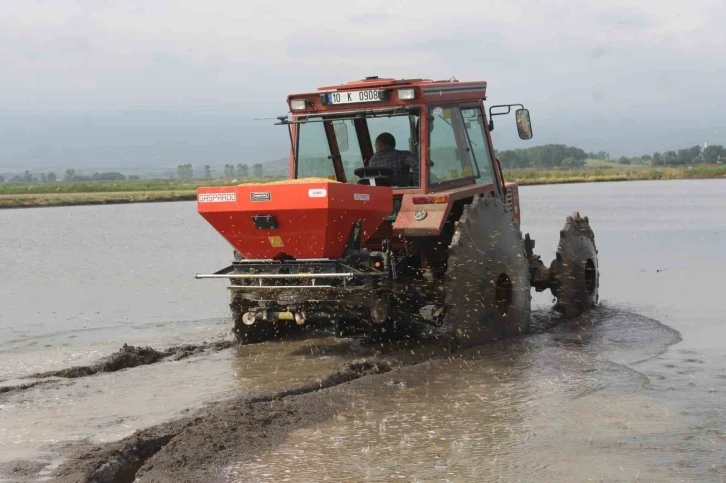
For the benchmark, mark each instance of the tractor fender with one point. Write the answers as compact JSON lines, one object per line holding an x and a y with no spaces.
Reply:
{"x":424,"y":219}
{"x":426,"y":214}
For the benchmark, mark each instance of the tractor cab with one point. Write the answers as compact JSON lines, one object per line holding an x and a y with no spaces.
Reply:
{"x":440,"y":126}
{"x":400,"y":157}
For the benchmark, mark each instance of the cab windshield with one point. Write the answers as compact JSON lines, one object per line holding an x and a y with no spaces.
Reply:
{"x":335,"y":146}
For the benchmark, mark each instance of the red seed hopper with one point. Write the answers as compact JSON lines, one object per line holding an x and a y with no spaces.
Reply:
{"x":301,"y":220}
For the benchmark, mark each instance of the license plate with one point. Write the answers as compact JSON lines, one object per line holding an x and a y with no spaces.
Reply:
{"x":353,"y":97}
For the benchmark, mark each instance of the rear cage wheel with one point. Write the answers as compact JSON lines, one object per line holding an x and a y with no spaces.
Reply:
{"x":487,"y":280}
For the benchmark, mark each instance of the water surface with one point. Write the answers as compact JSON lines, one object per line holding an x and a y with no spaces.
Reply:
{"x":633,"y":390}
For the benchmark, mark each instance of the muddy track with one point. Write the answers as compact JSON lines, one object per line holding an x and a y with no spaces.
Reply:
{"x":127,"y":357}
{"x":22,"y":387}
{"x":197,"y":447}
{"x":130,"y":356}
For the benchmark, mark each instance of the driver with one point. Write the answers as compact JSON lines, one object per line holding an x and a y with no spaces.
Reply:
{"x":403,"y":163}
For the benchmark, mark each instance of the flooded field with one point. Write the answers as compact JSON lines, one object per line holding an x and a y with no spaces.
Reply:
{"x":633,"y":391}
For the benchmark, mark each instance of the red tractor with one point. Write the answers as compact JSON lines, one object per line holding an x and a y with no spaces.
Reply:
{"x":361,"y":246}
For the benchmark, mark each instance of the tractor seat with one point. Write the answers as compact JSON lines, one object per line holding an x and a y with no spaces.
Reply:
{"x":374,"y":175}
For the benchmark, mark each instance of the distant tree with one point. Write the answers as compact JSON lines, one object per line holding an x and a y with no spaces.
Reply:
{"x":713,"y":153}
{"x":2,"y":179}
{"x":27,"y":177}
{"x":112,"y":176}
{"x":207,"y":171}
{"x":513,"y":159}
{"x":257,"y":170}
{"x":70,"y":175}
{"x":51,"y":178}
{"x":670,"y":158}
{"x":646,"y":157}
{"x":184,"y":171}
{"x":624,"y":160}
{"x":134,"y":177}
{"x":686,"y":156}
{"x":549,"y":155}
{"x":243,"y":171}
{"x":658,"y":159}
{"x":228,"y":171}
{"x":43,"y":178}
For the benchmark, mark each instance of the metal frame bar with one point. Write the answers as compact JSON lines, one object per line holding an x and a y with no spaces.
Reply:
{"x":492,"y":114}
{"x":281,"y":262}
{"x":357,"y":114}
{"x":277,"y":287}
{"x":279,"y":275}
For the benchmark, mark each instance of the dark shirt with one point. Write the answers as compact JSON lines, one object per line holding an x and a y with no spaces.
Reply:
{"x":403,"y":163}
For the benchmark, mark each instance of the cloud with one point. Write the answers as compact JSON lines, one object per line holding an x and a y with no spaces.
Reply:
{"x":136,"y":52}
{"x":607,"y":61}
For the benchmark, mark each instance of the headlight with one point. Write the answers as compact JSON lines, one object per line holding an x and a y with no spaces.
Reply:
{"x":406,"y":94}
{"x":298,"y":104}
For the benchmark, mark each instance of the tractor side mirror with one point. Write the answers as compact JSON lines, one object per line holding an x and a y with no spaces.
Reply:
{"x":341,"y":135}
{"x":524,"y":125}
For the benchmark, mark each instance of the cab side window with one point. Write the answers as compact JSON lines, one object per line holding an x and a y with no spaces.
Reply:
{"x":313,"y":159}
{"x":476,"y":137}
{"x":450,"y":156}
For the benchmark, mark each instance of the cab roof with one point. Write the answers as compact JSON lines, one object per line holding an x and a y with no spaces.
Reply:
{"x":375,"y":81}
{"x":379,"y":82}
{"x":384,"y":93}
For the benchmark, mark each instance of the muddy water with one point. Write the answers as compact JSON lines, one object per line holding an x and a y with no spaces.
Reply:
{"x":520,"y":410}
{"x":614,"y":396}
{"x":37,"y":422}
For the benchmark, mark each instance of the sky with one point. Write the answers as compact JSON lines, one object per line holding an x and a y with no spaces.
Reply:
{"x":103,"y":77}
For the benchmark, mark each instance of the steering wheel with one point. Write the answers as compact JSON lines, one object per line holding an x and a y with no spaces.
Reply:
{"x":368,"y":171}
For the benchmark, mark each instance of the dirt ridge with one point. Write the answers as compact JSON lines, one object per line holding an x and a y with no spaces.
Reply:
{"x":353,"y":370}
{"x":22,"y":387}
{"x":132,"y":356}
{"x":125,"y":358}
